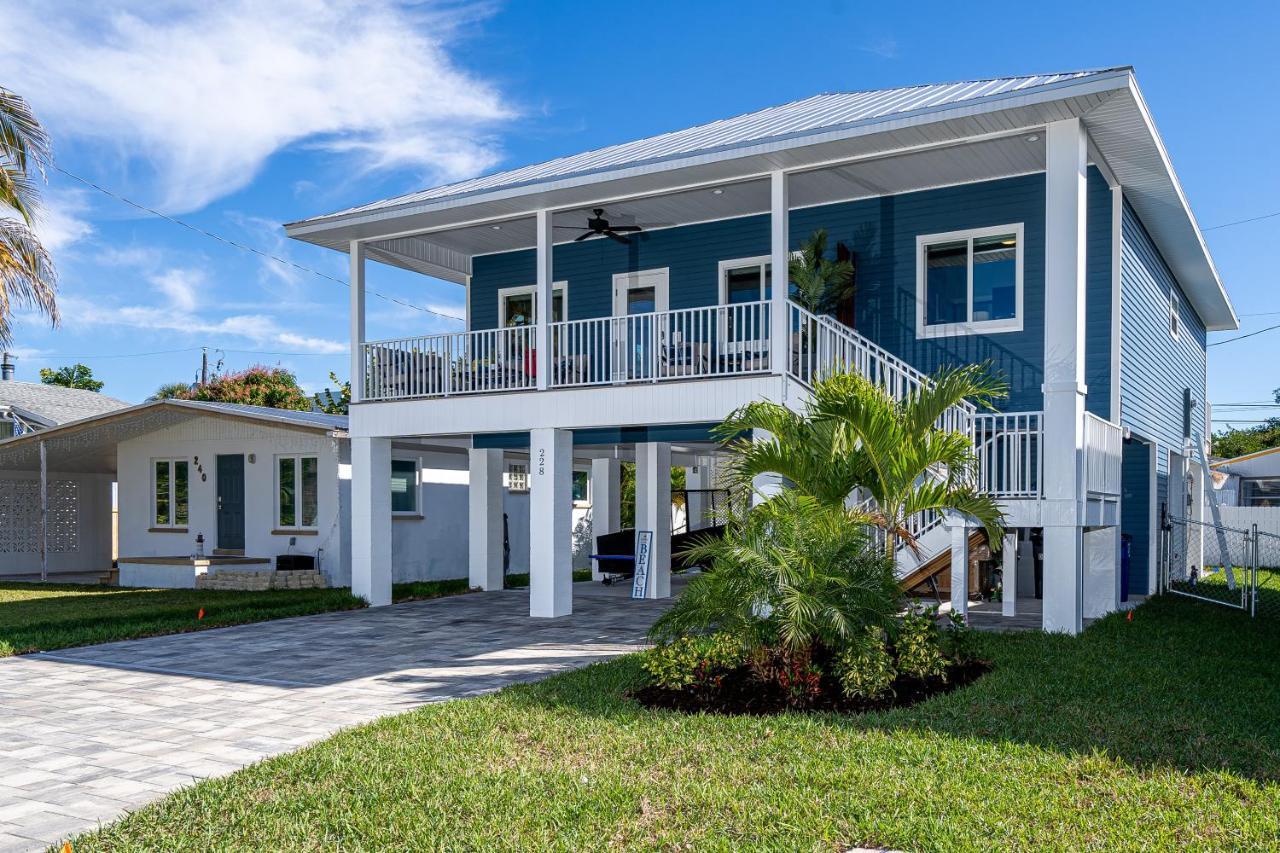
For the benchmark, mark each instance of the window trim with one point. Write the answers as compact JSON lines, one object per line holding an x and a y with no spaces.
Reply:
{"x":1175,"y":315}
{"x":586,"y":501}
{"x":416,"y":512}
{"x":297,"y":458}
{"x":172,"y":526}
{"x":561,"y":287}
{"x":971,"y":326}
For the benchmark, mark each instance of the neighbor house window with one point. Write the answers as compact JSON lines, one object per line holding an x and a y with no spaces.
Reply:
{"x":404,"y":486}
{"x":1173,"y":313}
{"x":1260,"y":492}
{"x":581,"y":488}
{"x":298,"y":491}
{"x":969,"y":282}
{"x":518,"y":477}
{"x":169,"y":493}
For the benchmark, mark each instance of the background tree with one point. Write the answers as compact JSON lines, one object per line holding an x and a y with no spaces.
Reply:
{"x":273,"y":387}
{"x":27,"y":276}
{"x":1237,"y":442}
{"x":171,"y":391}
{"x":335,"y":403}
{"x":72,"y":376}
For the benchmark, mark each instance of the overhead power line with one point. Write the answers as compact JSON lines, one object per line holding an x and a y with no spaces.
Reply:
{"x":74,"y":357}
{"x":1242,"y":337}
{"x":241,"y":246}
{"x":1243,"y":221}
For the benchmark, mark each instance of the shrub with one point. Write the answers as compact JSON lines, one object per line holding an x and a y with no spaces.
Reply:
{"x":959,"y":638}
{"x":865,"y":668}
{"x":697,"y":662}
{"x":791,"y":670}
{"x":919,"y":647}
{"x":791,"y":572}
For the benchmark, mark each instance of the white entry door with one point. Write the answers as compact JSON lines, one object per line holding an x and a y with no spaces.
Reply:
{"x":640,"y":299}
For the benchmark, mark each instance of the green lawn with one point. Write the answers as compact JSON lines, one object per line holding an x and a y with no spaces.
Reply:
{"x":40,"y":617}
{"x":1162,"y":732}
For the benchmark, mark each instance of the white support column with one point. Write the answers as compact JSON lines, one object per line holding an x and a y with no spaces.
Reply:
{"x":606,"y":502}
{"x":1009,"y":575}
{"x":653,"y":511}
{"x":697,"y":479}
{"x":1063,"y":585}
{"x":1066,"y":181}
{"x":780,"y":255}
{"x":357,"y":321}
{"x":550,"y":522}
{"x":960,"y":569}
{"x":542,"y":299}
{"x":484,"y":518}
{"x":371,"y":519}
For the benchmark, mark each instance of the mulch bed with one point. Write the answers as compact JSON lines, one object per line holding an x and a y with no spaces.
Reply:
{"x":740,"y":692}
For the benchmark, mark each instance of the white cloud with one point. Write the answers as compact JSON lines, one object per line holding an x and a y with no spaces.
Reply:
{"x":201,"y":94}
{"x":885,"y":47}
{"x":60,"y":222}
{"x":181,"y":287}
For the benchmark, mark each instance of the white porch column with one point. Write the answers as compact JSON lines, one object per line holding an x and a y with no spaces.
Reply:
{"x":550,"y":521}
{"x":1102,"y":569}
{"x":606,"y":503}
{"x":542,"y":299}
{"x":484,"y":518}
{"x":1009,"y":575}
{"x":653,"y":511}
{"x":1064,"y":388}
{"x":697,"y":479}
{"x":357,"y":321}
{"x":371,"y":519}
{"x":960,"y":569}
{"x":780,"y":255}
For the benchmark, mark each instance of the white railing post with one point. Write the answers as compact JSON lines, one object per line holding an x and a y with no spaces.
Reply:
{"x":780,"y":260}
{"x":543,"y":299}
{"x":357,"y":321}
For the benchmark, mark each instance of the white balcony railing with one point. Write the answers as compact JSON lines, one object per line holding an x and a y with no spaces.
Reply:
{"x":1103,"y":453}
{"x":483,"y":361}
{"x":1009,"y":447}
{"x":820,"y":347}
{"x":690,"y":343}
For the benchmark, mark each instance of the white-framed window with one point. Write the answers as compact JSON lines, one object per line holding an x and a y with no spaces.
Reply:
{"x":1175,"y":317}
{"x":969,"y":282}
{"x":582,"y":488}
{"x":297,"y":492}
{"x":169,"y":493}
{"x":517,"y":477}
{"x":518,"y":306}
{"x":406,"y":487}
{"x":747,"y":279}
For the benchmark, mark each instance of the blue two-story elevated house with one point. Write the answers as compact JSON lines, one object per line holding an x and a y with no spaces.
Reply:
{"x":620,"y":303}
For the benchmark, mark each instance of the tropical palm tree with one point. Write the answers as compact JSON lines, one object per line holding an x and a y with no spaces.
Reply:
{"x":27,"y":275}
{"x":820,"y":284}
{"x":854,"y":436}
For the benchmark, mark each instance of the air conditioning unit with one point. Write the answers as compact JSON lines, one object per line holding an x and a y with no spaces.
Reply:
{"x":295,"y":563}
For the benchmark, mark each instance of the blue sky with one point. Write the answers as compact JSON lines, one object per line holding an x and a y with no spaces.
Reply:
{"x":239,"y":116}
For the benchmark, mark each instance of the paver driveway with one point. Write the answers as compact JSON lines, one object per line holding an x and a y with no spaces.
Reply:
{"x":89,"y":733}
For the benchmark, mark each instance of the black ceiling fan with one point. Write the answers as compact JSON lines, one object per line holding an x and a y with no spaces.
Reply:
{"x":597,"y":225}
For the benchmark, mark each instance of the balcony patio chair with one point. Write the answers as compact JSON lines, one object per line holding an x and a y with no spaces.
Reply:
{"x":690,"y":358}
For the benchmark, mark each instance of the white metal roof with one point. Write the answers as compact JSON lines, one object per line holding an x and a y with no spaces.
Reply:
{"x":422,"y":230}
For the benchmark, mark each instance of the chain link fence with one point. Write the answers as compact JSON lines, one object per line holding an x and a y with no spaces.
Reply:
{"x":1233,"y":567}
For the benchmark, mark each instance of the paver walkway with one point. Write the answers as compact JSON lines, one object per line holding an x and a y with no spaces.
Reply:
{"x":87,"y":734}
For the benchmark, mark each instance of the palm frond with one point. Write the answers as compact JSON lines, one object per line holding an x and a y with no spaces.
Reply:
{"x":24,"y":147}
{"x":27,"y":276}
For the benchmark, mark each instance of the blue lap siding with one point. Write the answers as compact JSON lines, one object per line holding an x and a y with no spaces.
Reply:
{"x":882,"y":234}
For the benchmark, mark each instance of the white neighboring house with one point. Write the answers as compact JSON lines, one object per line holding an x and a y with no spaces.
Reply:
{"x":27,"y":408}
{"x":253,"y":483}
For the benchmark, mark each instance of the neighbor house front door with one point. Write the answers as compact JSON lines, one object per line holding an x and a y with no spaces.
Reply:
{"x":231,"y":502}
